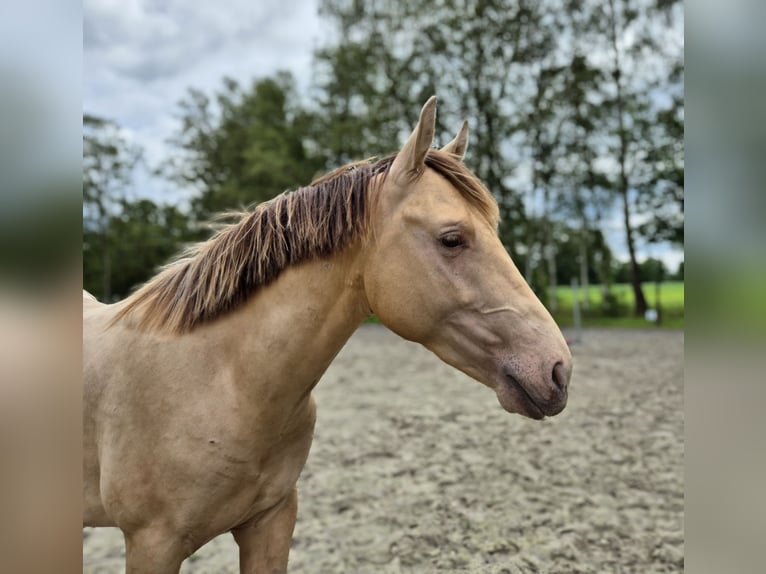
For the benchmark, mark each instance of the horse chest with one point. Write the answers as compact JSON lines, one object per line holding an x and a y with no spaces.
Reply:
{"x":266,"y":464}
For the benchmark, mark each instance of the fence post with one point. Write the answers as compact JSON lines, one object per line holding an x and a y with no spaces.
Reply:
{"x":657,"y":302}
{"x":576,"y":311}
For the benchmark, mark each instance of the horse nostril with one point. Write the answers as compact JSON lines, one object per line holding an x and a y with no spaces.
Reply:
{"x":560,"y":378}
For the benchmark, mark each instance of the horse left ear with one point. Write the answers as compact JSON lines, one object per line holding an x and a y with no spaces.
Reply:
{"x":460,"y":143}
{"x":410,"y":161}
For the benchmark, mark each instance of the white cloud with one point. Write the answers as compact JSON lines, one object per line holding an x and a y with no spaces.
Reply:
{"x":141,"y":57}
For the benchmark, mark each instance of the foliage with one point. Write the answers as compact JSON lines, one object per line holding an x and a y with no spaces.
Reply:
{"x":613,"y":307}
{"x":243,"y":146}
{"x":610,"y":305}
{"x":107,"y":169}
{"x":403,"y":52}
{"x":662,"y":190}
{"x":624,"y":138}
{"x":139,"y":239}
{"x":651,"y":270}
{"x":124,"y":239}
{"x":567,"y":254}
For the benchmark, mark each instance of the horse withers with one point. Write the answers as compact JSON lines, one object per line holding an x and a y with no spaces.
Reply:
{"x":198,"y":412}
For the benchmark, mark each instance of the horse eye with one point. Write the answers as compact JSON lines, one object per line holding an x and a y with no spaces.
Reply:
{"x":452,"y":240}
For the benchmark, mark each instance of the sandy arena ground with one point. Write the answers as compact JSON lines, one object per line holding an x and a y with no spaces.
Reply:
{"x":416,"y":468}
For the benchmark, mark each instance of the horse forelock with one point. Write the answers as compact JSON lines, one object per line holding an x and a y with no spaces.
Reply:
{"x":216,"y":276}
{"x":474,"y":192}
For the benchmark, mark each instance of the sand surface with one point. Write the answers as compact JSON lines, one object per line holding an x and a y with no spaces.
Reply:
{"x":416,"y":468}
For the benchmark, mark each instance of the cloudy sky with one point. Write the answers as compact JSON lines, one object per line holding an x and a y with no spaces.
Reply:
{"x":141,"y":56}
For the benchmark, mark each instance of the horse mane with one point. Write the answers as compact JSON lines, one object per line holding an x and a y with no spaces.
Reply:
{"x":216,"y":276}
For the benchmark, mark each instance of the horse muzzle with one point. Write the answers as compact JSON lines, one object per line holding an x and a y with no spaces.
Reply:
{"x":534,"y":397}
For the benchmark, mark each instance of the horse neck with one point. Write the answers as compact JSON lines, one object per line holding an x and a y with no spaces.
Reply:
{"x":290,"y":330}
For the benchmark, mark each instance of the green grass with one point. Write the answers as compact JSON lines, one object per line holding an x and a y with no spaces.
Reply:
{"x":671,"y":295}
{"x":671,"y":304}
{"x":566,"y":319}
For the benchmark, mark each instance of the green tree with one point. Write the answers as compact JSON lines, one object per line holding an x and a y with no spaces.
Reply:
{"x":619,"y":17}
{"x":544,"y":131}
{"x":634,"y":46}
{"x":141,"y":236}
{"x":651,"y":270}
{"x":662,"y":188}
{"x":243,"y":145}
{"x":568,"y":253}
{"x":635,"y":37}
{"x":584,"y":195}
{"x":109,"y":160}
{"x":386,"y":58}
{"x":679,"y":274}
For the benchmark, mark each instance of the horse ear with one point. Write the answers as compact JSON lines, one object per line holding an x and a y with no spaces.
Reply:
{"x":460,"y":143}
{"x":411,"y":158}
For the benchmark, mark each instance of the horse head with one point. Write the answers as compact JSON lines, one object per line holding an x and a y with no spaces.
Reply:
{"x":435,"y":272}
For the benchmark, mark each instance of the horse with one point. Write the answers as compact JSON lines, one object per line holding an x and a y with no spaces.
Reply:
{"x":198,"y":407}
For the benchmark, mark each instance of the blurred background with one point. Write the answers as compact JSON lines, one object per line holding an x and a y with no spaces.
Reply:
{"x":575,"y":108}
{"x":504,"y":68}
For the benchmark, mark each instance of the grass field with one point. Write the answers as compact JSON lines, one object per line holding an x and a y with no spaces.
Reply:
{"x":671,"y":304}
{"x":671,"y":294}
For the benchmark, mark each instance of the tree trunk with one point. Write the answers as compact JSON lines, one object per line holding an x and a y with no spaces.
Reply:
{"x":549,"y":252}
{"x":584,"y":268}
{"x":552,"y":279}
{"x":531,"y":246}
{"x":106,"y":257}
{"x":635,"y":274}
{"x":532,"y":233}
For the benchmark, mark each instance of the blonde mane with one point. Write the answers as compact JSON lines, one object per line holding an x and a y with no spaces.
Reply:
{"x":216,"y":276}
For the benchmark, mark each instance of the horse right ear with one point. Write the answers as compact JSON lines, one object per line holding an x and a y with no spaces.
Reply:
{"x":460,"y":143}
{"x":410,"y":161}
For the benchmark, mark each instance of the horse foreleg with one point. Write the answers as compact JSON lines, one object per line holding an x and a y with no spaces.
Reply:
{"x":153,"y":550}
{"x":264,"y":544}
